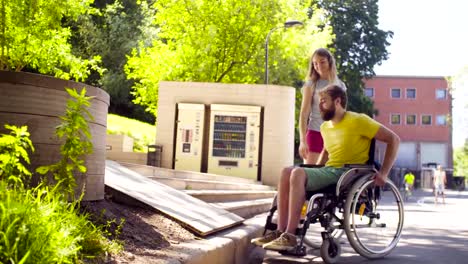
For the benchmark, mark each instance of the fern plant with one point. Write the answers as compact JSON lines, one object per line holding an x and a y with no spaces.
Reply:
{"x":13,"y":154}
{"x":74,"y":131}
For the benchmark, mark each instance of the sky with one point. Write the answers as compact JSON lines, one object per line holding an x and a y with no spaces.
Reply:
{"x":430,"y":39}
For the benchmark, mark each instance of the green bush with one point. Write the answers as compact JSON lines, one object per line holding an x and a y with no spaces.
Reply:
{"x":74,"y":131}
{"x":13,"y":153}
{"x":40,"y":226}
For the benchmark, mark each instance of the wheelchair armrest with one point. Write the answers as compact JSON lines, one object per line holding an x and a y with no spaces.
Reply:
{"x":310,"y":166}
{"x":354,"y":172}
{"x":359,"y":166}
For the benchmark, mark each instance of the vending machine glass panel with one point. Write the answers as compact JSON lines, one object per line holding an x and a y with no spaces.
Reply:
{"x":229,"y":136}
{"x":234,"y":140}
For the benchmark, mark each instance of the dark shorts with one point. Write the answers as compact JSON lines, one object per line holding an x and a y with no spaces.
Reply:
{"x":318,"y":178}
{"x":314,"y":141}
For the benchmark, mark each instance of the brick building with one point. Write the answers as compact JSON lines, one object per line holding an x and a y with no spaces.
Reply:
{"x":417,"y":108}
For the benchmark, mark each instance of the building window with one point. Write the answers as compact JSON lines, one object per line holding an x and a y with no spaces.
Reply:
{"x":441,"y":94}
{"x":411,"y":93}
{"x":426,"y":119}
{"x":411,"y":119}
{"x":369,"y":92}
{"x":395,"y":119}
{"x":396,"y":93}
{"x":441,"y":120}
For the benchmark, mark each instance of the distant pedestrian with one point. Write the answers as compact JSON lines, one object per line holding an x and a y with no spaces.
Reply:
{"x":409,"y":184}
{"x":440,"y":180}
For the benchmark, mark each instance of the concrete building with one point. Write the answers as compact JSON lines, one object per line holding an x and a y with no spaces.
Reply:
{"x":418,"y":109}
{"x":276,"y":143}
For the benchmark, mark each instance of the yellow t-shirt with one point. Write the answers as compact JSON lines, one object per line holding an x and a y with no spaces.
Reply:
{"x":409,"y":178}
{"x":348,"y":142}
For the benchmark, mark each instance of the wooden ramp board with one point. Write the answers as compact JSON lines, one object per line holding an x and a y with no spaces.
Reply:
{"x":202,"y":218}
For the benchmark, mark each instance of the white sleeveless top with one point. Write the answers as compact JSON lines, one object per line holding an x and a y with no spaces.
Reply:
{"x":438,"y":177}
{"x":315,"y":119}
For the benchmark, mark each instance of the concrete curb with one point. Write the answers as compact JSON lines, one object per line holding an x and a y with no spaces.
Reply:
{"x":231,"y":246}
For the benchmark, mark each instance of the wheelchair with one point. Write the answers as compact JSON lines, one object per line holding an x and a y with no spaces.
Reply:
{"x":371,"y":216}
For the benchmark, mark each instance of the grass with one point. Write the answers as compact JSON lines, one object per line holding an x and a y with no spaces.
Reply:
{"x":142,"y":133}
{"x":39,"y":226}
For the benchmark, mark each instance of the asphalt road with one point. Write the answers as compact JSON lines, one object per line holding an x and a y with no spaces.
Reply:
{"x":432,"y":234}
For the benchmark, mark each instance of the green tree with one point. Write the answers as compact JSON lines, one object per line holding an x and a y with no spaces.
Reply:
{"x":223,"y":41}
{"x":358,"y":46}
{"x":460,"y":161}
{"x":112,"y":33}
{"x":457,"y":83}
{"x":32,"y":36}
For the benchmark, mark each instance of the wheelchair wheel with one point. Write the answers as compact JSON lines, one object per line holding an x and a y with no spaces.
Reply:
{"x":330,"y":251}
{"x":373,"y":218}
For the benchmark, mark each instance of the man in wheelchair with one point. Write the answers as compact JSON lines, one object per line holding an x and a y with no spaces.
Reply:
{"x":347,"y":138}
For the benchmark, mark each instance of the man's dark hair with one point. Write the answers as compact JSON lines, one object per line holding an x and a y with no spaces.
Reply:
{"x":335,"y":91}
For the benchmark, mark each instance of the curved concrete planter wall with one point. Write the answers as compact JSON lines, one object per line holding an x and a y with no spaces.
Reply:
{"x":37,"y":101}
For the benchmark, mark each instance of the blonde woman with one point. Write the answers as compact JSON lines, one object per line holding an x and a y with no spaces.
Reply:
{"x":322,"y":71}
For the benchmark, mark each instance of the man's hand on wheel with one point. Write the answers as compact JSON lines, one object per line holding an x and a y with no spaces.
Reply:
{"x":380,"y":179}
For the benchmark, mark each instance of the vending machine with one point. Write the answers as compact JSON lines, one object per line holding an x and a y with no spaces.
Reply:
{"x":189,"y":139}
{"x":234,"y":140}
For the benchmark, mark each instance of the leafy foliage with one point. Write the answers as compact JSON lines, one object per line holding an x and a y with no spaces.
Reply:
{"x":113,"y":33}
{"x":460,"y":161}
{"x":13,"y":153}
{"x":223,"y":41}
{"x":39,"y":226}
{"x":74,"y":130}
{"x":31,"y":35}
{"x":358,"y":45}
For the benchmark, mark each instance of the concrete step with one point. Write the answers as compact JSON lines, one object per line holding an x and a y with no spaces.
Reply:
{"x":231,"y":246}
{"x":190,"y":184}
{"x":220,"y":196}
{"x":150,"y":171}
{"x":246,"y":209}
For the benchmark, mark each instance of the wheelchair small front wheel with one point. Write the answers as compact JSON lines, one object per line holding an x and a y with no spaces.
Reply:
{"x":313,"y":238}
{"x":330,"y":251}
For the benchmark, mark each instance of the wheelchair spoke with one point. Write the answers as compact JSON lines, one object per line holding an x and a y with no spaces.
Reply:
{"x":375,"y":219}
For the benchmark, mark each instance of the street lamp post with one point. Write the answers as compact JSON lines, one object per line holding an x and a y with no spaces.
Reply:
{"x":287,"y":24}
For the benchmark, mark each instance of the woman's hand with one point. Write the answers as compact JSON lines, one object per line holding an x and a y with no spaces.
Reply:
{"x":303,"y":150}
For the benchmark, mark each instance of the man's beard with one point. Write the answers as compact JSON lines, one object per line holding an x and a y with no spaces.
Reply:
{"x":327,"y":114}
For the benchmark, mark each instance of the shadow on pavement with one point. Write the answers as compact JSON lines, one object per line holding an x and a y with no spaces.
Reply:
{"x":417,"y":245}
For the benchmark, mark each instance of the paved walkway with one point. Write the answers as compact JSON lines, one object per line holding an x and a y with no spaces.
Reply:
{"x":432,"y":234}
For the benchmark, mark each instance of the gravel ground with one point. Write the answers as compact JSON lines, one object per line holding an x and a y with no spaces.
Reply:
{"x":147,"y":235}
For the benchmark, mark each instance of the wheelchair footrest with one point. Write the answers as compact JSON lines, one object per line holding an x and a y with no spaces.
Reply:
{"x":298,"y":251}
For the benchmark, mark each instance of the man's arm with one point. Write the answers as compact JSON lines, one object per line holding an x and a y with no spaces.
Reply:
{"x":393,"y":141}
{"x":323,"y":158}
